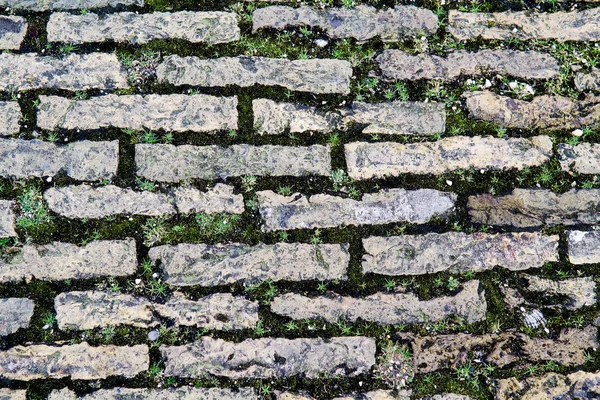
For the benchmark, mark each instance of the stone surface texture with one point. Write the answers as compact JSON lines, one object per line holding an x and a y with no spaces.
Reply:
{"x":588,"y":81}
{"x":9,"y":394}
{"x":15,"y":313}
{"x":7,"y":219}
{"x":578,"y":385}
{"x":583,"y":158}
{"x":181,"y":393}
{"x":10,"y":116}
{"x":579,"y":292}
{"x":12,"y":32}
{"x":583,"y":247}
{"x":46,"y":5}
{"x":218,"y":199}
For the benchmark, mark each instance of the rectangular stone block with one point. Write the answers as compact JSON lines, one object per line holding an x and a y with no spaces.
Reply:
{"x":574,"y":293}
{"x":585,"y":384}
{"x":84,"y":160}
{"x":324,"y":211}
{"x":10,"y":116}
{"x":59,"y":261}
{"x":457,"y":252}
{"x":15,"y":313}
{"x":7,"y":219}
{"x":383,"y":159}
{"x":30,"y":71}
{"x":206,"y":27}
{"x":223,"y":264}
{"x":588,"y":81}
{"x":317,"y":75}
{"x":271,"y":358}
{"x":9,"y":394}
{"x":583,"y":158}
{"x":168,"y":163}
{"x":37,"y":5}
{"x":399,"y":65}
{"x":173,"y":112}
{"x":361,"y":22}
{"x":583,"y":247}
{"x":12,"y":32}
{"x":77,"y":361}
{"x":180,"y":393}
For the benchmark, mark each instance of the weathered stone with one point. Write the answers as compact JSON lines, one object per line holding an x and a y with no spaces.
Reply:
{"x":7,"y":219}
{"x":579,"y":292}
{"x":579,"y":385}
{"x":374,"y":395}
{"x":207,"y":27}
{"x":219,"y":311}
{"x":396,"y":117}
{"x":584,"y":247}
{"x":317,"y":75}
{"x":46,"y":5}
{"x":361,"y":22}
{"x":388,"y":309}
{"x":585,"y":81}
{"x":457,"y":252}
{"x":325,"y":211}
{"x":446,"y":351}
{"x":271,"y":358}
{"x":168,"y":163}
{"x":10,"y":116}
{"x":12,"y":31}
{"x":9,"y":394}
{"x":222,"y":264}
{"x":525,"y":208}
{"x":73,"y":72}
{"x":447,"y":396}
{"x":59,"y":261}
{"x":525,"y":25}
{"x":376,"y":160}
{"x":173,"y":112}
{"x":93,"y":309}
{"x":219,"y":199}
{"x":15,"y":313}
{"x":78,"y":361}
{"x":84,"y":160}
{"x":543,"y":112}
{"x":181,"y":393}
{"x":399,"y":65}
{"x":583,"y":158}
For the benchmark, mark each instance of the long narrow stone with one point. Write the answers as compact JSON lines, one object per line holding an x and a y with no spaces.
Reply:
{"x":399,"y":65}
{"x":457,"y":252}
{"x":317,"y":76}
{"x":325,"y":211}
{"x":543,"y":112}
{"x":59,"y":261}
{"x":12,"y":32}
{"x":84,"y":160}
{"x":77,"y":361}
{"x":373,"y":395}
{"x":525,"y":25}
{"x":10,"y":394}
{"x":583,"y":247}
{"x":222,"y":264}
{"x":271,"y":358}
{"x":10,"y":117}
{"x":585,"y":81}
{"x":376,"y":160}
{"x":7,"y":219}
{"x":168,"y":163}
{"x":37,"y":5}
{"x":416,"y":118}
{"x":207,"y":27}
{"x":15,"y":313}
{"x":361,"y":23}
{"x":385,"y":309}
{"x":173,"y":112}
{"x":532,"y":207}
{"x":583,"y":158}
{"x":578,"y":385}
{"x":180,"y":393}
{"x":578,"y":292}
{"x":73,"y":72}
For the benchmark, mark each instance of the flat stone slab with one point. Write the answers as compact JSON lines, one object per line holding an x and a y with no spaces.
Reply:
{"x":585,"y":81}
{"x":7,"y":219}
{"x":377,"y":160}
{"x":168,"y":163}
{"x":385,"y":309}
{"x":361,"y":22}
{"x":12,"y":32}
{"x":545,"y":112}
{"x":525,"y":25}
{"x":181,"y":393}
{"x":583,"y":158}
{"x":84,"y":160}
{"x":525,"y":208}
{"x":583,"y":247}
{"x":15,"y":313}
{"x":196,"y":27}
{"x":10,"y":116}
{"x":218,"y":199}
{"x":373,"y":395}
{"x":222,"y":264}
{"x":73,"y":72}
{"x":580,"y":384}
{"x":399,"y":65}
{"x":398,"y":117}
{"x":579,"y":292}
{"x":317,"y":75}
{"x":457,"y":252}
{"x":324,"y":211}
{"x":9,"y":394}
{"x":173,"y":112}
{"x":37,"y":5}
{"x":271,"y":358}
{"x":59,"y":261}
{"x":77,"y":361}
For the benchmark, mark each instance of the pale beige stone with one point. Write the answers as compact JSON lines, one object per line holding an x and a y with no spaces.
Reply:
{"x":10,"y":117}
{"x":7,"y":219}
{"x":219,"y":199}
{"x":9,"y":394}
{"x":579,"y":292}
{"x":583,"y":247}
{"x":180,"y":393}
{"x":583,"y":158}
{"x":588,"y":81}
{"x":579,"y":385}
{"x":46,"y":5}
{"x":15,"y":314}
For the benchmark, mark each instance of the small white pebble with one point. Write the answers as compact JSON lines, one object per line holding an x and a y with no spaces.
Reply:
{"x":47,"y":326}
{"x":49,"y":179}
{"x":153,"y":335}
{"x":515,"y":29}
{"x":482,"y":171}
{"x":155,"y":275}
{"x":138,"y":281}
{"x":577,"y":132}
{"x":321,"y":43}
{"x":448,"y":182}
{"x":513,"y":85}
